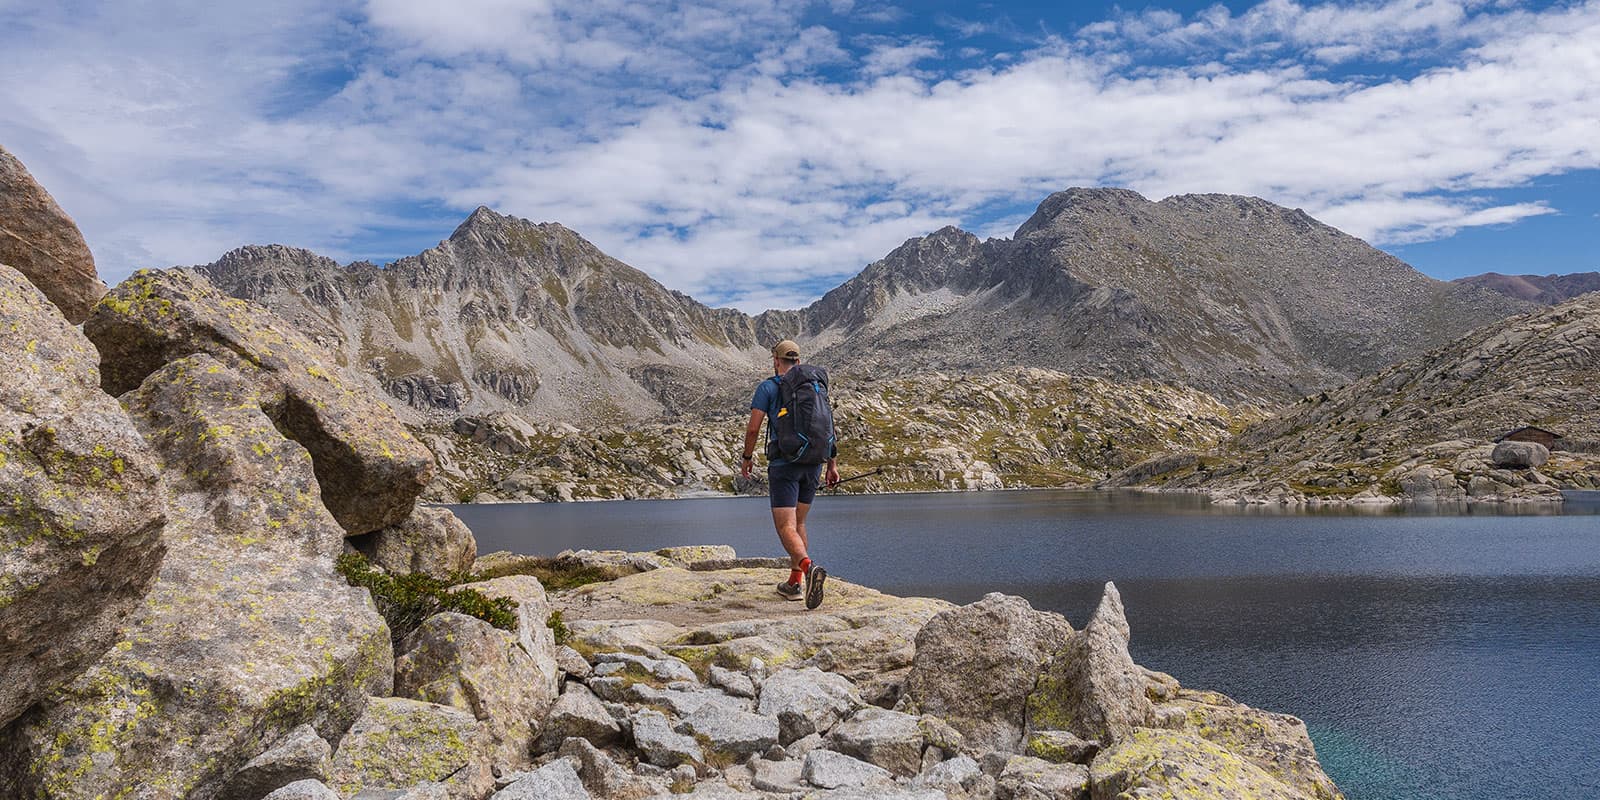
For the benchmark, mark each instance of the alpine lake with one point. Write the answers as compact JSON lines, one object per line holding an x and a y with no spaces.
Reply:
{"x":1448,"y":652}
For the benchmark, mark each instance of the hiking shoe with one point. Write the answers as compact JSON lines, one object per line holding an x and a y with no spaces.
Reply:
{"x":791,"y":591}
{"x":815,"y":577}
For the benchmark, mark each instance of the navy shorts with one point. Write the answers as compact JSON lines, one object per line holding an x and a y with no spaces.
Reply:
{"x":793,"y":483}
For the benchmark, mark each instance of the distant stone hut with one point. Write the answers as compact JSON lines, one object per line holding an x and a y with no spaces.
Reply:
{"x":1532,"y":433}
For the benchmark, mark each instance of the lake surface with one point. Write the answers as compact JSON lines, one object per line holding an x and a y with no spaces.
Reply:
{"x":1443,"y":654}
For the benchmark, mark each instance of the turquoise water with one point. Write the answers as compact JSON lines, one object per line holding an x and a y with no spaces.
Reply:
{"x":1433,"y":654}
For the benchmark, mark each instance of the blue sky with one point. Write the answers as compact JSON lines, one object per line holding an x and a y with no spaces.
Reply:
{"x":758,"y":152}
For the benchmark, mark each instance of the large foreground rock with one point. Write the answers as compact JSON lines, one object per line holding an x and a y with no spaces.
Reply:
{"x":533,"y":630}
{"x":401,"y":743}
{"x":81,"y":509}
{"x":432,"y":542}
{"x":247,"y":632}
{"x":369,"y":468}
{"x":39,"y":240}
{"x":466,"y":663}
{"x":1276,"y":743}
{"x":975,"y":666}
{"x":1092,"y":688}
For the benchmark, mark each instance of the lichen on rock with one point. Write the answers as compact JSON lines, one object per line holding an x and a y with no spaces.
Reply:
{"x":1091,"y":687}
{"x":1160,"y":763}
{"x":81,"y":505}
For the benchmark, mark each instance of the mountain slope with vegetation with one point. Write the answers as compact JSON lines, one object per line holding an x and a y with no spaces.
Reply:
{"x":1232,"y":295}
{"x":1011,"y":428}
{"x":1425,"y":427}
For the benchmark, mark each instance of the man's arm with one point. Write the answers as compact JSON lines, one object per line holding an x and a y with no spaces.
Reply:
{"x":751,"y":430}
{"x":831,"y":476}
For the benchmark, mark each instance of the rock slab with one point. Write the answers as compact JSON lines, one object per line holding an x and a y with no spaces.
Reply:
{"x":1158,"y":763}
{"x":533,"y":630}
{"x":806,"y":701}
{"x":1001,"y":638}
{"x":1092,"y":688}
{"x":432,"y":542}
{"x":827,"y":769}
{"x":300,"y":756}
{"x":399,"y":743}
{"x":888,"y":739}
{"x":368,"y":466}
{"x":466,"y":663}
{"x":39,"y":240}
{"x":578,"y":714}
{"x":81,"y":506}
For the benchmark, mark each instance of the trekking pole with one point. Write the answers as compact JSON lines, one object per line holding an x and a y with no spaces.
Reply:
{"x":878,"y":471}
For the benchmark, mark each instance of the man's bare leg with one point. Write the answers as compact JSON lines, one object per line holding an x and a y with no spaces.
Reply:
{"x":800,"y":512}
{"x":790,"y":534}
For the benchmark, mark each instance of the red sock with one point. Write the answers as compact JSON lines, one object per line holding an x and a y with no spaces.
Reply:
{"x":795,"y":575}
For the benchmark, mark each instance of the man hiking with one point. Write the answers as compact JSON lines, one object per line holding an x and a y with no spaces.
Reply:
{"x":792,"y":475}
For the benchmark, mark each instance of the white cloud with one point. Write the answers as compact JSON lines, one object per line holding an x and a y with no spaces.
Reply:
{"x":1330,"y":32}
{"x":1408,"y":220}
{"x":758,"y":156}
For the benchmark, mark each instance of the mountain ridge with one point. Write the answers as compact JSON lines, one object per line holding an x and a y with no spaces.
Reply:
{"x":1544,"y":289}
{"x":1235,"y":296}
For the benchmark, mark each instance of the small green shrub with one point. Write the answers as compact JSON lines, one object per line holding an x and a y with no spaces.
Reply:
{"x":406,"y":600}
{"x":558,"y":629}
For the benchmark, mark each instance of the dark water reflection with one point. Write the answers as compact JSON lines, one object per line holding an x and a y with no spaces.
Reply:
{"x":1435,"y":653}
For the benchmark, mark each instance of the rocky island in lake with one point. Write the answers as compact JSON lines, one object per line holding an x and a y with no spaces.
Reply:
{"x":218,"y":584}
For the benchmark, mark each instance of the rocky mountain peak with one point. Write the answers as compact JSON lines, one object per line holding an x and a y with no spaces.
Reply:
{"x":256,"y":271}
{"x":277,"y":256}
{"x":1069,"y":205}
{"x":481,"y":218}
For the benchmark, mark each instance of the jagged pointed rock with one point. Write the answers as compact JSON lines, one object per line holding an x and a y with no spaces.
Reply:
{"x":1092,"y":688}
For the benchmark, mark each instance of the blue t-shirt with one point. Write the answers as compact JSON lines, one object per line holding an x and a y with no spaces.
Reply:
{"x":766,"y":400}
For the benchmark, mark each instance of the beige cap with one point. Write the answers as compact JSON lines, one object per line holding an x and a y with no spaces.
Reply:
{"x":786,"y":349}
